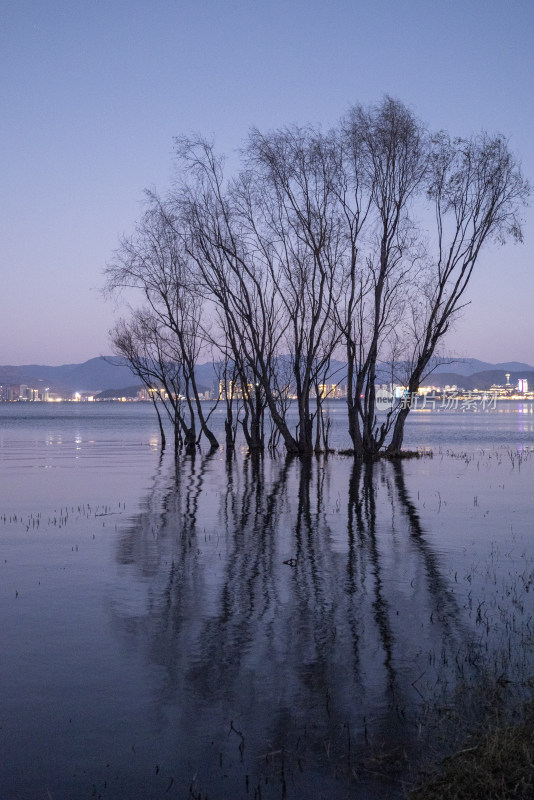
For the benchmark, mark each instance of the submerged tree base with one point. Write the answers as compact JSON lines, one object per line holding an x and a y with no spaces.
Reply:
{"x":384,"y":454}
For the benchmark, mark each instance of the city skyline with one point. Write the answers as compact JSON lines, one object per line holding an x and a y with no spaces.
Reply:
{"x":94,"y":95}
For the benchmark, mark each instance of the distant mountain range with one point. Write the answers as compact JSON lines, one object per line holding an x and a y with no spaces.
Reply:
{"x":103,"y":373}
{"x":96,"y":375}
{"x":93,"y":375}
{"x":480,"y":380}
{"x":472,"y":366}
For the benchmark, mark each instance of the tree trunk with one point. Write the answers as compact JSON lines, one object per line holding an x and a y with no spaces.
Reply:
{"x":160,"y":423}
{"x":229,"y":432}
{"x":190,"y":439}
{"x":397,"y":437}
{"x":354,"y":428}
{"x":289,"y":441}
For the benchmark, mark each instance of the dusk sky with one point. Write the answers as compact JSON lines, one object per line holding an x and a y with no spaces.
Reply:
{"x":93,"y":92}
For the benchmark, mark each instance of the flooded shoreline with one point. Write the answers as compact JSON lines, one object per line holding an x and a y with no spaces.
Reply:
{"x":254,"y":627}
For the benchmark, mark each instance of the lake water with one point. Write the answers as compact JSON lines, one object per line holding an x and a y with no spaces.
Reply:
{"x":254,"y":629}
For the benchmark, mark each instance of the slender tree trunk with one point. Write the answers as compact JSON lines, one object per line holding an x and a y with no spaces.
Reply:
{"x":289,"y":441}
{"x":305,"y":443}
{"x":229,"y":426}
{"x":208,"y":433}
{"x":190,"y":439}
{"x":177,"y":438}
{"x":397,"y":436}
{"x":255,"y":430}
{"x":160,"y":423}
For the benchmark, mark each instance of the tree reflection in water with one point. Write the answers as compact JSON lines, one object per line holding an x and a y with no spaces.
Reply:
{"x":299,"y":621}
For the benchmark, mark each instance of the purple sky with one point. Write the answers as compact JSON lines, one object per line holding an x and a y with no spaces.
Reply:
{"x":93,"y":91}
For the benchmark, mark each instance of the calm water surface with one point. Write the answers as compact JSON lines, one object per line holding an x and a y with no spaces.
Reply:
{"x":269,"y":629}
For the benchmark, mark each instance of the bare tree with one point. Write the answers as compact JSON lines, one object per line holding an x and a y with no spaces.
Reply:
{"x":141,"y":343}
{"x":154,"y":261}
{"x":268,"y":248}
{"x":382,"y":166}
{"x":232,"y":274}
{"x":405,"y":284}
{"x":316,"y":246}
{"x":477,"y":192}
{"x":292,"y":222}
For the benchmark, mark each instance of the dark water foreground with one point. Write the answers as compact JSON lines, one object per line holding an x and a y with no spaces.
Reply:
{"x":252,"y":629}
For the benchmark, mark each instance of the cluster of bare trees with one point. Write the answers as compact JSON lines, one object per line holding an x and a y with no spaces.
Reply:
{"x":358,"y":244}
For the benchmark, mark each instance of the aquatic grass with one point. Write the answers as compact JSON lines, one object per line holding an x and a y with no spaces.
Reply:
{"x":495,"y":765}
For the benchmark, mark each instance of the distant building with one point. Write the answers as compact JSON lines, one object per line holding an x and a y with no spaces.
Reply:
{"x":522,"y":385}
{"x":12,"y":393}
{"x":327,"y":390}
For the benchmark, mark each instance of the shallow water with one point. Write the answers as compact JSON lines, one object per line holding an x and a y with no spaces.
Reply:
{"x":252,"y":629}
